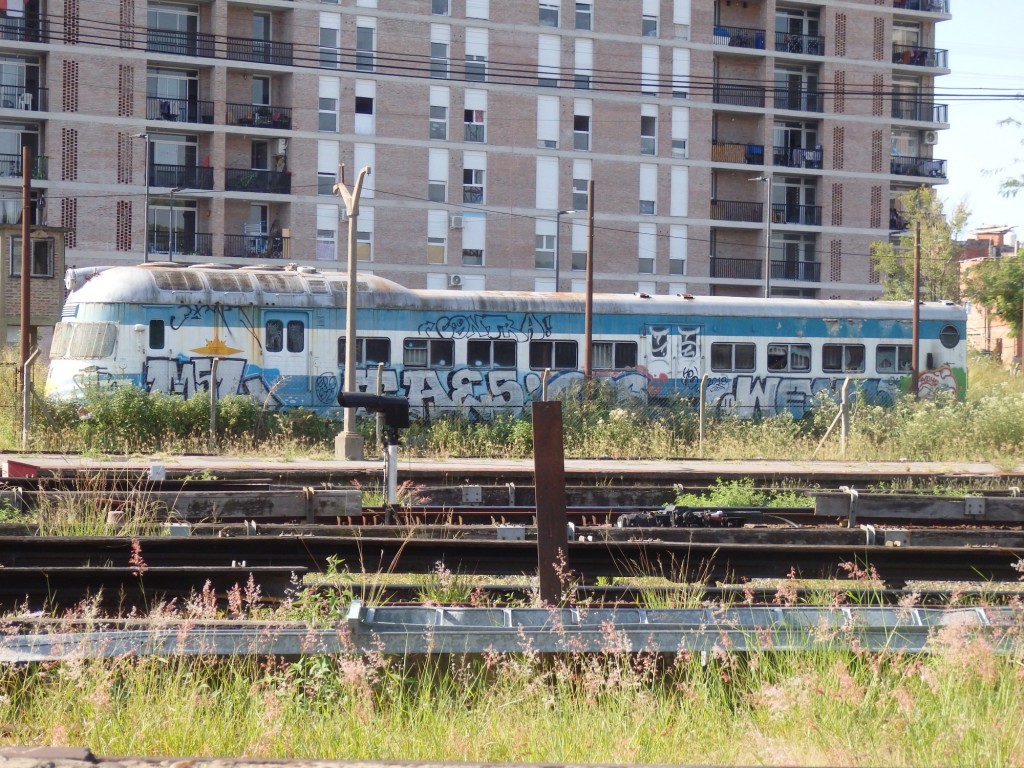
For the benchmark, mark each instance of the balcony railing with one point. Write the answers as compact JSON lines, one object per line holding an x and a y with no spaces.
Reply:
{"x":806,"y":271}
{"x":180,"y":43}
{"x":784,"y":213}
{"x":179,"y":110}
{"x":10,"y":166}
{"x":739,"y":37}
{"x":258,"y":51}
{"x":257,"y":246}
{"x":736,"y":210}
{"x":796,"y":157}
{"x":739,"y":95}
{"x":751,"y":154}
{"x":812,"y":45}
{"x":916,"y":56}
{"x":931,"y":6}
{"x":25,"y":30}
{"x":20,"y":97}
{"x":256,"y":180}
{"x":923,"y":111}
{"x":918,"y":166}
{"x":181,"y":176}
{"x":803,"y":101}
{"x":259,"y":116}
{"x":737,"y":269}
{"x":180,"y":243}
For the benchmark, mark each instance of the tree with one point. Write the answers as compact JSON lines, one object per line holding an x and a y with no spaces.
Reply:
{"x":1011,"y":185}
{"x":940,"y":266}
{"x":999,"y":284}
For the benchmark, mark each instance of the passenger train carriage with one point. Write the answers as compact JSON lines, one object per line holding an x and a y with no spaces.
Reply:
{"x":278,"y":335}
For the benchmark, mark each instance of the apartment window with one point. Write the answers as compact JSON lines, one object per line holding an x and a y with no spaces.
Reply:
{"x":439,"y":123}
{"x":437,"y":250}
{"x":437,"y":191}
{"x":732,"y":356}
{"x":614,"y":355}
{"x":437,"y":176}
{"x":476,"y":68}
{"x":890,"y":358}
{"x":364,"y":245}
{"x":645,"y":264}
{"x":581,"y":132}
{"x":647,"y":248}
{"x":648,"y":207}
{"x":325,"y":245}
{"x":544,"y":252}
{"x":325,"y":183}
{"x":439,"y":60}
{"x":648,"y":135}
{"x":579,"y":262}
{"x":789,"y":357}
{"x":365,"y":48}
{"x":840,"y":358}
{"x":432,"y":353}
{"x":328,"y":115}
{"x":679,"y":148}
{"x":549,"y":60}
{"x":579,"y":194}
{"x":472,"y":257}
{"x":491,"y":353}
{"x":475,"y":130}
{"x":676,"y":266}
{"x":40,"y":256}
{"x":583,"y":67}
{"x":548,"y":16}
{"x":439,"y":7}
{"x":329,"y":42}
{"x":557,"y":355}
{"x":369,"y":351}
{"x":648,"y":189}
{"x":649,"y":26}
{"x":584,"y":15}
{"x":472,"y":185}
{"x":364,"y":115}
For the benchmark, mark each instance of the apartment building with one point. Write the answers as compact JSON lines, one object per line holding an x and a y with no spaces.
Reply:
{"x":736,"y":147}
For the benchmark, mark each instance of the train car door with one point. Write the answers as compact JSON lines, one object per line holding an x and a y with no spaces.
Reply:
{"x":673,"y":358}
{"x":286,"y":351}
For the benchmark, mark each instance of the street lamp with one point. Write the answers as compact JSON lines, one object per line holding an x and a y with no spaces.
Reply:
{"x":558,"y":229}
{"x":172,"y":230}
{"x":145,"y":214}
{"x":767,"y":233}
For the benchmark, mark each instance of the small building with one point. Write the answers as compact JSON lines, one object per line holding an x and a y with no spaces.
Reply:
{"x":986,"y":331}
{"x":46,"y":290}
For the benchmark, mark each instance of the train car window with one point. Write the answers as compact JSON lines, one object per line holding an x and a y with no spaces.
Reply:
{"x":890,"y":358}
{"x":614,"y":355}
{"x":91,"y":340}
{"x":296,"y":335}
{"x":795,"y":358}
{"x":437,"y":353}
{"x":557,"y":355}
{"x":842,"y":358}
{"x":156,"y":334}
{"x":732,"y":356}
{"x":949,"y":336}
{"x":491,"y":353}
{"x":370,"y":352}
{"x":61,"y":338}
{"x":274,"y":336}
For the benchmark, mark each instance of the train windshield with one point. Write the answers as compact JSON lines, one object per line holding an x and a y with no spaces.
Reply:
{"x":83,"y":340}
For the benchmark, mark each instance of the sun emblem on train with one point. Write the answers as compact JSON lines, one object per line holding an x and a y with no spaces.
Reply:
{"x":216,"y":346}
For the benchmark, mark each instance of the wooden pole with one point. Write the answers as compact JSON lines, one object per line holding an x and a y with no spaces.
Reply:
{"x":26,"y":256}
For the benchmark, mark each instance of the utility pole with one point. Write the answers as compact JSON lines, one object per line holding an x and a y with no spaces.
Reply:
{"x":349,"y":444}
{"x":26,"y":258}
{"x":916,"y":321}
{"x":588,"y":312}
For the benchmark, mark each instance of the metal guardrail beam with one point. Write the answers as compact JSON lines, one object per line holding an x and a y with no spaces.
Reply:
{"x":437,"y":631}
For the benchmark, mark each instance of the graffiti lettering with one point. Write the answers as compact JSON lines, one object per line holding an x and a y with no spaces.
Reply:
{"x":488,"y":327}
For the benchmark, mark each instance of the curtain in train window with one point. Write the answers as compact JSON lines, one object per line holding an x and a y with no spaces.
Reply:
{"x":274,"y":336}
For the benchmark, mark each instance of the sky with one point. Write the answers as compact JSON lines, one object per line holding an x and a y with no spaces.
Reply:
{"x":985,"y":52}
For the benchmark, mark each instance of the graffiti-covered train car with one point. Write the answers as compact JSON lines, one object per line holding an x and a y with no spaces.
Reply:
{"x":278,"y":334}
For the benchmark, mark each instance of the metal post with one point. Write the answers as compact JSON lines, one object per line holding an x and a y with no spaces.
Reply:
{"x":915,"y":362}
{"x":349,"y":444}
{"x":145,"y":210}
{"x":588,"y":313}
{"x":380,"y":391}
{"x":702,"y":413}
{"x":26,"y":398}
{"x":391,"y":472}
{"x":549,"y":482}
{"x":213,"y":404}
{"x":558,"y":259}
{"x":26,"y":254}
{"x":844,"y":413}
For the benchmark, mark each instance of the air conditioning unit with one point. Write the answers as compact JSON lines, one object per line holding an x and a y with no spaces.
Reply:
{"x":454,"y":281}
{"x":930,"y":137}
{"x":282,"y":146}
{"x":456,"y":222}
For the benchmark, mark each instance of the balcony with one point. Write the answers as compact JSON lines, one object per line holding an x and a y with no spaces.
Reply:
{"x":10,"y":166}
{"x":898,"y":222}
{"x":805,"y":271}
{"x":257,"y":180}
{"x":916,"y":56}
{"x":930,"y":6}
{"x":736,"y":210}
{"x":739,"y":37}
{"x":796,"y":157}
{"x":738,"y":95}
{"x":922,"y":111}
{"x":25,"y":30}
{"x":918,"y":166}
{"x":258,"y":116}
{"x":181,"y":176}
{"x":812,"y":45}
{"x":179,"y":110}
{"x":258,"y":51}
{"x":179,"y":243}
{"x":750,"y":154}
{"x":801,"y":101}
{"x":785,"y":213}
{"x":181,"y":43}
{"x":257,"y":246}
{"x":33,"y":99}
{"x":737,"y":269}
